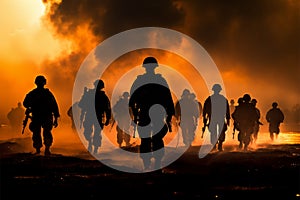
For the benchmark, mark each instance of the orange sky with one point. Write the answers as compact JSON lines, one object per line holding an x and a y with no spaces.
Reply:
{"x":55,"y":40}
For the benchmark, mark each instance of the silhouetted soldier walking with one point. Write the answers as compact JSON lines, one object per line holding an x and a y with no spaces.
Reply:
{"x":152,"y":106}
{"x":246,"y":117}
{"x":275,"y":117}
{"x":93,"y":123}
{"x":200,"y":107}
{"x":42,"y":105}
{"x":216,"y":116}
{"x":236,"y":123}
{"x":123,"y":119}
{"x":73,"y":112}
{"x":187,"y":115}
{"x":15,"y":117}
{"x":257,"y":123}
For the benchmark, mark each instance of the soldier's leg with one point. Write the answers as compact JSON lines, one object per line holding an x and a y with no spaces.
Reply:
{"x":222,"y":138}
{"x":145,"y":152}
{"x":190,"y":133}
{"x":213,"y":136}
{"x":97,"y":138}
{"x":119,"y":136}
{"x":87,"y":132}
{"x":277,"y":131}
{"x":47,"y":135}
{"x":35,"y":128}
{"x":247,"y":138}
{"x":255,"y":133}
{"x":220,"y":144}
{"x":158,"y":146}
{"x":126,"y":137}
{"x":271,"y":132}
{"x":146,"y":145}
{"x":184,"y":134}
{"x":126,"y":133}
{"x":240,"y":139}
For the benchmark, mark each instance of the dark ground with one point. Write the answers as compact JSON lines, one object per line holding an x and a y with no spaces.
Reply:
{"x":271,"y":172}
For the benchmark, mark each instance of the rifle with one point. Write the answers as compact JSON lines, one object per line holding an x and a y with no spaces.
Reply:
{"x":25,"y":121}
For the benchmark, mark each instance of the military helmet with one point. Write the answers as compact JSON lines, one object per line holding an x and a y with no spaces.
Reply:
{"x":247,"y":97}
{"x":193,"y":95}
{"x":125,"y":94}
{"x":40,"y":80}
{"x":216,"y":87}
{"x":274,"y":104}
{"x":99,"y":84}
{"x":240,"y":100}
{"x":254,"y":101}
{"x":150,"y":62}
{"x":185,"y":92}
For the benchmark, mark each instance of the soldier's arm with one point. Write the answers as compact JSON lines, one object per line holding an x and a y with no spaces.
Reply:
{"x":108,"y":111}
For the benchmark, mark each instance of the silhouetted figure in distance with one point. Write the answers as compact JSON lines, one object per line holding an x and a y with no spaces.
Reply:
{"x":231,"y":106}
{"x":274,"y":117}
{"x":15,"y":117}
{"x":216,"y":115}
{"x":187,"y":115}
{"x":72,"y":112}
{"x":257,"y":123}
{"x":93,"y":125}
{"x":246,"y":117}
{"x":45,"y":113}
{"x":235,"y":121}
{"x":123,"y":119}
{"x":200,"y":107}
{"x":151,"y":90}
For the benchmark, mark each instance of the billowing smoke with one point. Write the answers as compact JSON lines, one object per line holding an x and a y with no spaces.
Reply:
{"x":254,"y":43}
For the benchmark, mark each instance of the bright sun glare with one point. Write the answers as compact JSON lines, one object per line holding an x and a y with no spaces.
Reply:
{"x":35,"y":9}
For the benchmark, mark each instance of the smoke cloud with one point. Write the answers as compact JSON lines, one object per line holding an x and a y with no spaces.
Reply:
{"x":255,"y":44}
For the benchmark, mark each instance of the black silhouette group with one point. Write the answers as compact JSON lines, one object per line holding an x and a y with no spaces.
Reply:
{"x":149,"y":108}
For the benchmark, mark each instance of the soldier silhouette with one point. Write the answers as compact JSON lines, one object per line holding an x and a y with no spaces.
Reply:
{"x":42,"y":105}
{"x":216,"y":116}
{"x":274,"y":117}
{"x":257,"y":123}
{"x":15,"y":117}
{"x":200,"y":108}
{"x":231,"y":106}
{"x":235,"y":121}
{"x":187,"y":115}
{"x":152,"y":106}
{"x":246,"y":117}
{"x":123,"y":119}
{"x":73,"y":112}
{"x":93,"y":123}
